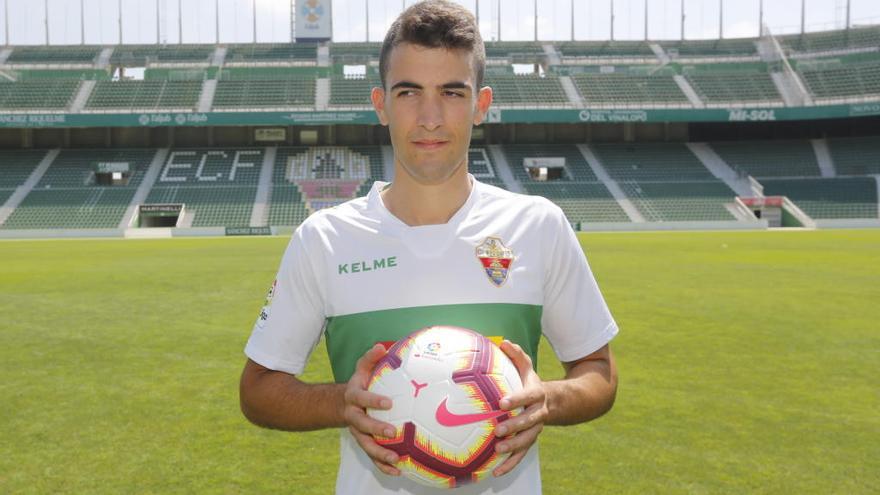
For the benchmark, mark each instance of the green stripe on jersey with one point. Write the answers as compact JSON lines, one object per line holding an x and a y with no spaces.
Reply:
{"x":350,"y":336}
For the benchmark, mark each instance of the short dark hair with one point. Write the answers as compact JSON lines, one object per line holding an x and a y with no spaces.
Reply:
{"x":436,"y":24}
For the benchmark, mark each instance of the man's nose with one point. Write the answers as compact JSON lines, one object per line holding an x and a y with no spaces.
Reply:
{"x":430,"y":113}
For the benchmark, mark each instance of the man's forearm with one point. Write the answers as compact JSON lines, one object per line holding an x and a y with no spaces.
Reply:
{"x":280,"y":401}
{"x":586,"y":392}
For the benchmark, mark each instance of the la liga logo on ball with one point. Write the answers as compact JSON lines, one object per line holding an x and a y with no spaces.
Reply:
{"x":445,"y":384}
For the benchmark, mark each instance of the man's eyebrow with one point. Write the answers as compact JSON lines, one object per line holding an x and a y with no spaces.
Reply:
{"x":449,"y":85}
{"x":456,"y":85}
{"x":406,"y":84}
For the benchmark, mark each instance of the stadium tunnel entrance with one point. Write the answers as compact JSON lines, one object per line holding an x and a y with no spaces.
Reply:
{"x":159,"y":215}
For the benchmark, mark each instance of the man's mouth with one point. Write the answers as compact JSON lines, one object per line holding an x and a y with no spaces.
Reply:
{"x":430,"y":144}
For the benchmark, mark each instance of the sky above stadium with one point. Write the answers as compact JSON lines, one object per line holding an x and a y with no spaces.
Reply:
{"x":26,"y":19}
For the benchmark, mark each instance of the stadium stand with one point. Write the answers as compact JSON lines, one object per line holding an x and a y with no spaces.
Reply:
{"x":53,"y":55}
{"x":144,"y":95}
{"x":844,"y":81}
{"x":49,"y":94}
{"x":480,"y":166}
{"x":67,"y":196}
{"x":735,"y":88}
{"x":649,"y":162}
{"x":849,"y":197}
{"x":582,"y":202}
{"x":352,"y":91}
{"x":306,"y":179}
{"x":144,"y":55}
{"x":680,"y":201}
{"x":576,"y":167}
{"x":856,"y":37}
{"x":527,"y":50}
{"x":627,"y":90}
{"x":272,"y":52}
{"x":665,"y":181}
{"x":342,"y":52}
{"x":5,"y":194}
{"x":742,"y":47}
{"x":579,"y":193}
{"x":217,"y":186}
{"x":856,"y":155}
{"x":776,"y":158}
{"x":17,"y":166}
{"x":603,"y":49}
{"x":264,"y":90}
{"x":520,"y":90}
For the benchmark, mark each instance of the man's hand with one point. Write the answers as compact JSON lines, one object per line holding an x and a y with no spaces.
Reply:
{"x":361,"y":426}
{"x":521,"y":431}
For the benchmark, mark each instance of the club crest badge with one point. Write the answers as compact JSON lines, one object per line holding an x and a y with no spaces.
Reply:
{"x":496,"y":259}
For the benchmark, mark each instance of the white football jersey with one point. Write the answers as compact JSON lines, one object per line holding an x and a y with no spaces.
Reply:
{"x":505,"y":265}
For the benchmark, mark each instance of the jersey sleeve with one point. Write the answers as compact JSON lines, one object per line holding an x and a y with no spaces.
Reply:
{"x":292,"y":319}
{"x":576,"y":320}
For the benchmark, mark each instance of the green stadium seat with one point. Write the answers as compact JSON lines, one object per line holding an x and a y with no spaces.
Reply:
{"x":522,"y":90}
{"x":604,"y":49}
{"x":582,"y":202}
{"x":647,"y":162}
{"x":577,"y":168}
{"x":843,"y":81}
{"x":775,"y":158}
{"x":525,"y":50}
{"x":55,"y":55}
{"x":272,"y":52}
{"x":734,"y":88}
{"x":828,"y":198}
{"x":218,"y":186}
{"x":855,"y":156}
{"x":352,"y":91}
{"x":260,"y":93}
{"x":144,"y":95}
{"x":351,"y":52}
{"x":627,"y":90}
{"x":290,"y":204}
{"x":49,"y":94}
{"x":480,"y":165}
{"x":17,"y":166}
{"x":67,"y":197}
{"x":741,"y":47}
{"x":669,"y":201}
{"x":842,"y":39}
{"x":144,"y":55}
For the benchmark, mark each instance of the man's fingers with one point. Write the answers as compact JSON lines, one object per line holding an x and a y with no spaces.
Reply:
{"x":383,"y":458}
{"x":524,"y":398}
{"x":509,"y":464}
{"x":367,"y":362}
{"x":365,"y":399}
{"x":520,"y":359}
{"x":521,"y":441}
{"x":358,"y":419}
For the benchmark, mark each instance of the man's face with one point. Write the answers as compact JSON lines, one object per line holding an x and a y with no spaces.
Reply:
{"x":430,"y":104}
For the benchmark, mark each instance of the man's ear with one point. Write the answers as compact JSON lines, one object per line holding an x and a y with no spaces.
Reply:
{"x":484,"y":101}
{"x":377,"y":96}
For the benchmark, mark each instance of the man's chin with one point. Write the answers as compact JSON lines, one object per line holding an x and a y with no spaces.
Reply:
{"x":431,"y":177}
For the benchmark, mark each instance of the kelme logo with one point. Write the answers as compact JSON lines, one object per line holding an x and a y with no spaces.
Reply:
{"x":367,"y":266}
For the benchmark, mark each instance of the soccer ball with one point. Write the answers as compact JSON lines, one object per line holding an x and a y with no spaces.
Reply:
{"x":445,"y":384}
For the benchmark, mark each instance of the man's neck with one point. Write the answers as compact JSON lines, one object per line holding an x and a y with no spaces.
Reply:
{"x":417,"y":204}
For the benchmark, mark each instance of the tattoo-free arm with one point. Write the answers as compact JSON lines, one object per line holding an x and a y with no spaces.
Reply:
{"x":587,"y":391}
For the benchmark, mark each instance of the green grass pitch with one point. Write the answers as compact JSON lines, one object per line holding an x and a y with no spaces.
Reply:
{"x":749,"y":363}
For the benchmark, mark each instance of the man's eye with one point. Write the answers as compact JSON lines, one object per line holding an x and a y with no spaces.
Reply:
{"x":454,"y":94}
{"x":406,"y":92}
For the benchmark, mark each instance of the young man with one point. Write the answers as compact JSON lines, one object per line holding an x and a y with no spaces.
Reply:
{"x":419,"y":252}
